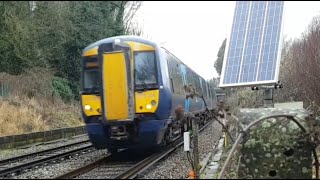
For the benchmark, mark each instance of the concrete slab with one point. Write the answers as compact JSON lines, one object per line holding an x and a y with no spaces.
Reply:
{"x":289,"y":105}
{"x":213,"y":165}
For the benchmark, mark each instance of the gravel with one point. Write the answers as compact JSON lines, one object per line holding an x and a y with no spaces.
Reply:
{"x":176,"y":165}
{"x":38,"y":157}
{"x":9,"y":153}
{"x":59,"y":168}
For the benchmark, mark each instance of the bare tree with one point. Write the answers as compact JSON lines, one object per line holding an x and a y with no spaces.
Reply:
{"x":131,"y":26}
{"x":300,"y":68}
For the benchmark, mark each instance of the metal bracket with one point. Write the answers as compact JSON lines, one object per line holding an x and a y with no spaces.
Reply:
{"x":268,"y":93}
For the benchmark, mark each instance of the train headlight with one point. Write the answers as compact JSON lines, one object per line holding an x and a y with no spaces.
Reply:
{"x":87,"y":107}
{"x":148,"y":106}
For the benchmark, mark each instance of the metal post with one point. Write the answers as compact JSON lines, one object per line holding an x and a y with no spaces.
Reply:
{"x":195,"y":129}
{"x":268,"y":97}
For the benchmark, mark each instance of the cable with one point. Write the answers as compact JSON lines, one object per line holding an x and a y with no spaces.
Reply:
{"x":190,"y":159}
{"x":212,"y":116}
{"x":225,"y":128}
{"x":229,"y":156}
{"x":234,"y":117}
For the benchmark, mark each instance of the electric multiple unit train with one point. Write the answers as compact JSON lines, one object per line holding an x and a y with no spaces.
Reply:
{"x":130,"y":91}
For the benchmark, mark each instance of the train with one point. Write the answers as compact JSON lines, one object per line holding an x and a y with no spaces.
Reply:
{"x":132,"y":91}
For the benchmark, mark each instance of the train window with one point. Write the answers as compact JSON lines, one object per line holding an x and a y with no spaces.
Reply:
{"x":207,"y":90}
{"x":90,"y":74}
{"x":197,"y":83}
{"x":172,"y":73}
{"x":214,"y":95}
{"x":203,"y":88}
{"x":196,"y":79}
{"x":145,"y":70}
{"x":91,"y":79}
{"x":190,"y":78}
{"x":179,"y":79}
{"x":199,"y":86}
{"x":175,"y":74}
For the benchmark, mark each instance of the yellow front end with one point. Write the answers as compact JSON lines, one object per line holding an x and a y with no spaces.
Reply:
{"x":146,"y":101}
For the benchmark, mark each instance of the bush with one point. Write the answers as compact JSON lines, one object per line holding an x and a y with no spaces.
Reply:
{"x":74,"y":86}
{"x":245,"y":98}
{"x":62,"y":88}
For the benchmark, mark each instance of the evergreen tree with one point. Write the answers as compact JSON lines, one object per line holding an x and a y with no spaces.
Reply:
{"x":219,"y":61}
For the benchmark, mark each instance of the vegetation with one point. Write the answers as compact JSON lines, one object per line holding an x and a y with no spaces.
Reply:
{"x":40,"y":47}
{"x":218,"y":64}
{"x":299,"y":69}
{"x":52,"y":34}
{"x":219,"y":61}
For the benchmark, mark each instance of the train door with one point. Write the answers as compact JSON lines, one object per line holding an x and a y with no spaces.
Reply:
{"x":117,"y":82}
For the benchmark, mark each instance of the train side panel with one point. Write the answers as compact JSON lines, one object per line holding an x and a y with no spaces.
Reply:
{"x":180,"y":75}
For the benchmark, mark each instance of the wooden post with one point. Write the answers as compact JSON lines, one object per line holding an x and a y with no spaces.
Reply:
{"x":195,"y":129}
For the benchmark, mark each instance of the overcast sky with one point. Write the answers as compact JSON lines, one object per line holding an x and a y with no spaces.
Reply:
{"x":194,"y":31}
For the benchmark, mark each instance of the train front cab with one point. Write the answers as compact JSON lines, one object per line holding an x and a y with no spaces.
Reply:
{"x":121,"y":95}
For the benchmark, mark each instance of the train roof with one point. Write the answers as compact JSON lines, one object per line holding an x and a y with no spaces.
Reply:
{"x":124,"y":37}
{"x":136,"y":39}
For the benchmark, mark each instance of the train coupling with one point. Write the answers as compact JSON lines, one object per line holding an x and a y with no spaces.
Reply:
{"x":119,"y":132}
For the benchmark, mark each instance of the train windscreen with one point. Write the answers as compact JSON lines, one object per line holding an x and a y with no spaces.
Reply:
{"x":145,"y":70}
{"x":91,"y":80}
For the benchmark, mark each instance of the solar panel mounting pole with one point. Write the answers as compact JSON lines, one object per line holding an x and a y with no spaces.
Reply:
{"x":268,"y":93}
{"x":268,"y":97}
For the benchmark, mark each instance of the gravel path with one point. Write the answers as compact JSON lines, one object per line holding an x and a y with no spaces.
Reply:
{"x":8,"y":153}
{"x":177,"y":166}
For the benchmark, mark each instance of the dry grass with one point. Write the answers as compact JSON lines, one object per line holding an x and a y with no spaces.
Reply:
{"x":17,"y":120}
{"x":33,"y":107}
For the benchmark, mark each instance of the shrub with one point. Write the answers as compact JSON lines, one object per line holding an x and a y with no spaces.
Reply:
{"x":62,"y":88}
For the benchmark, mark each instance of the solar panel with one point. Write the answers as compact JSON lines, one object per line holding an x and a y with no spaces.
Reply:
{"x":253,"y":49}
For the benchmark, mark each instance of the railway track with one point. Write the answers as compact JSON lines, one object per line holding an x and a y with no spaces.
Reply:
{"x":17,"y":165}
{"x":121,"y":166}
